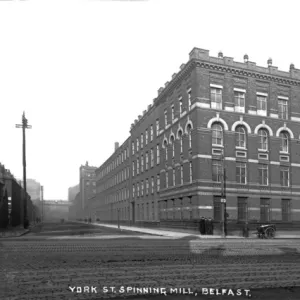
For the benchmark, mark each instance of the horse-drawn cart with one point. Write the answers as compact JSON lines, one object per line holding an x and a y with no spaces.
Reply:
{"x":266,"y":231}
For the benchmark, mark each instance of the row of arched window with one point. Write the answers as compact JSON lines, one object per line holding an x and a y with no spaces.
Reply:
{"x":180,"y":138}
{"x":241,"y":137}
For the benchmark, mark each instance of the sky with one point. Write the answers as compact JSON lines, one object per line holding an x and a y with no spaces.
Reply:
{"x":83,"y":70}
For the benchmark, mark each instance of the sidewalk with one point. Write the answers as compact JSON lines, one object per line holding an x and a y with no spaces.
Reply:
{"x":15,"y":231}
{"x":179,"y":234}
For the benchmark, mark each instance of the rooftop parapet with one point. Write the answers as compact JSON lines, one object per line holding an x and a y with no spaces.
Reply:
{"x":203,"y":54}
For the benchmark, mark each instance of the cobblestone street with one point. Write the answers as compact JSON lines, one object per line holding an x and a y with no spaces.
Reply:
{"x":36,"y":267}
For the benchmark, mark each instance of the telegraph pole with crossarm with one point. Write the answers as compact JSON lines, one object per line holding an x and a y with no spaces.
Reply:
{"x":24,"y":126}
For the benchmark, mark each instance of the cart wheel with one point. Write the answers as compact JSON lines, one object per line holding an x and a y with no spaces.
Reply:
{"x":270,"y":233}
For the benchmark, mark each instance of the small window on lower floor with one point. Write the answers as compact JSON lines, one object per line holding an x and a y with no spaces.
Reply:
{"x":242,"y":209}
{"x":286,"y":210}
{"x":217,"y":208}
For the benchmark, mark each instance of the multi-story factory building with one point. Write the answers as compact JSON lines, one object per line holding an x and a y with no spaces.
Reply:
{"x":112,"y":201}
{"x":214,"y":114}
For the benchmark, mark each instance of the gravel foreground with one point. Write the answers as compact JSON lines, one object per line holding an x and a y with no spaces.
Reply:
{"x":41,"y":268}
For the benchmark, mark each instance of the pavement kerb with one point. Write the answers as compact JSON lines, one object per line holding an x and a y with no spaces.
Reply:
{"x":181,"y":234}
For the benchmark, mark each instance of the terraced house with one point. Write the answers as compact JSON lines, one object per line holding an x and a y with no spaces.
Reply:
{"x":215,"y":113}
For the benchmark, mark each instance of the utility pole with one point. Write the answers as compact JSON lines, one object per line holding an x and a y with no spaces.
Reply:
{"x":24,"y":126}
{"x":223,"y":199}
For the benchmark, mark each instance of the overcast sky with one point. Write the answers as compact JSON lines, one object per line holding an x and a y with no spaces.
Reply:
{"x":83,"y":70}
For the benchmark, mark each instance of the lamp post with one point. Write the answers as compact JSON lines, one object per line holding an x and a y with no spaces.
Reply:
{"x":24,"y":126}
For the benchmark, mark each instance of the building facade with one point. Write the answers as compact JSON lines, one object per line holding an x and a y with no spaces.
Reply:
{"x":33,"y":189}
{"x":55,"y":210}
{"x":214,"y":114}
{"x":12,"y":200}
{"x":112,"y":200}
{"x":87,"y":181}
{"x":72,"y":192}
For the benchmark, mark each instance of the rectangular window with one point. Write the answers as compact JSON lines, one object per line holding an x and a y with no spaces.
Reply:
{"x":174,"y":178}
{"x":216,"y":98}
{"x":173,"y":112}
{"x":241,"y":173}
{"x":264,"y":210}
{"x":158,"y":182}
{"x":152,"y":185}
{"x":167,"y":179}
{"x":166,"y":118}
{"x":146,"y":137}
{"x":133,"y":168}
{"x":133,"y":191}
{"x":157,"y":154}
{"x":283,"y":109}
{"x":137,"y":166}
{"x":217,"y":208}
{"x":132,"y":148}
{"x":142,"y":188}
{"x":261,"y":105}
{"x":191,"y":172}
{"x":286,"y":210}
{"x":147,"y":211}
{"x":147,"y":161}
{"x":239,"y":101}
{"x":147,"y":186}
{"x":142,"y":164}
{"x":285,"y":176}
{"x":151,"y":133}
{"x":152,"y":158}
{"x":263,"y":174}
{"x":242,"y":209}
{"x":138,"y":189}
{"x":190,"y":98}
{"x":137,"y":145}
{"x":181,"y":174}
{"x":180,"y":106}
{"x":142,"y":141}
{"x":138,"y":212}
{"x":157,"y":126}
{"x":216,"y":170}
{"x":153,"y":210}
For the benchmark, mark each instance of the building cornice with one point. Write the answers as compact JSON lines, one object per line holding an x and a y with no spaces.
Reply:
{"x":239,"y":71}
{"x":163,"y":92}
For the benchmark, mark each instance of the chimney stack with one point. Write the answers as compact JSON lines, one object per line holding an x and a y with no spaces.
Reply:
{"x":116,"y":145}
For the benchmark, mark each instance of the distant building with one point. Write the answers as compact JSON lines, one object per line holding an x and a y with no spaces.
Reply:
{"x":33,"y":189}
{"x":72,"y":192}
{"x":87,"y":181}
{"x":55,"y":210}
{"x":12,"y":200}
{"x":75,"y":208}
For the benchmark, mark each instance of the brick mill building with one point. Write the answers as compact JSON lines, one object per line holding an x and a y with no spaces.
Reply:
{"x":214,"y":113}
